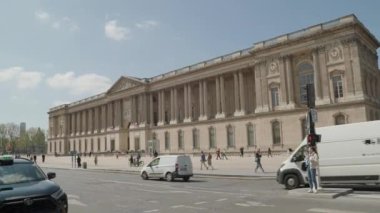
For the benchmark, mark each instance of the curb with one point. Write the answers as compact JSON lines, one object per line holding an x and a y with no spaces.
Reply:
{"x":200,"y":175}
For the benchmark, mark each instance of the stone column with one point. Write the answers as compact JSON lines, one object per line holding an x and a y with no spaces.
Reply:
{"x":73,"y":124}
{"x":90,"y":119}
{"x":222,"y":98}
{"x":172,"y":118}
{"x":200,"y":100}
{"x":151,"y":113}
{"x":289,"y":81}
{"x":317,"y":78}
{"x":189,"y":102}
{"x":350,"y":85}
{"x":160,"y":108}
{"x":117,"y":115}
{"x":205,"y":105}
{"x":217,"y":91}
{"x":84,"y":125}
{"x":258,"y":89}
{"x":236,"y":93}
{"x":96,"y":118}
{"x":241,"y":93}
{"x":264,"y":91}
{"x":104,"y":118}
{"x":185,"y":104}
{"x":283,"y":86}
{"x":175,"y":105}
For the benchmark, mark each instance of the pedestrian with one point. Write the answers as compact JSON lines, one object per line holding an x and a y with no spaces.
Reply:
{"x":155,"y":154}
{"x":269,"y":152}
{"x":117,"y":155}
{"x":90,"y":153}
{"x":241,"y":151}
{"x":131,"y":160}
{"x":43,"y":158}
{"x":312,"y":169}
{"x":218,"y":154}
{"x":224,"y":155}
{"x":203,"y":160}
{"x":35,"y":158}
{"x":209,"y":161}
{"x":138,"y":159}
{"x":96,"y":160}
{"x":258,"y":161}
{"x":79,"y":161}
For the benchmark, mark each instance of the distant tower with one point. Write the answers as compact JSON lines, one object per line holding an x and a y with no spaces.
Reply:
{"x":22,"y":128}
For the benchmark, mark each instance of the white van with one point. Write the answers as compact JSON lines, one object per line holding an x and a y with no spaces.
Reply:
{"x":348,"y":154}
{"x":168,"y":167}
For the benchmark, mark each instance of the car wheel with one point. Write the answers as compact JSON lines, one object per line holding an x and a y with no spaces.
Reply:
{"x":144,"y":176}
{"x":291,"y":181}
{"x":186,"y":179}
{"x":169,"y":176}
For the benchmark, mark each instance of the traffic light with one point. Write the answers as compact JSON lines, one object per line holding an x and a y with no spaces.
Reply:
{"x":313,"y":138}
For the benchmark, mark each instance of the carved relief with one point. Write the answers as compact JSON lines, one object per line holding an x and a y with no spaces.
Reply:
{"x":273,"y":68}
{"x":334,"y":53}
{"x":303,"y":57}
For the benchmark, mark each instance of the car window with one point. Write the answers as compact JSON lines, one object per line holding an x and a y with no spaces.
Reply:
{"x":19,"y":173}
{"x":300,"y":154}
{"x":155,"y":162}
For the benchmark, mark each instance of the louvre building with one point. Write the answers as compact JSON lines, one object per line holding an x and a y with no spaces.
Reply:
{"x":252,"y":98}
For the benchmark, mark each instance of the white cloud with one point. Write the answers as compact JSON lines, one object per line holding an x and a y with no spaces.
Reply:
{"x":42,"y":16}
{"x":147,"y":25}
{"x":58,"y":23}
{"x":25,"y":79}
{"x":83,"y":84}
{"x":115,"y":31}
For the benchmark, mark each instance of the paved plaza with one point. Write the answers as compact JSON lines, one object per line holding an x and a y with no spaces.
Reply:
{"x":234,"y":166}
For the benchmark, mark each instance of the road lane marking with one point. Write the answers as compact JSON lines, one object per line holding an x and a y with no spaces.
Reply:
{"x":223,"y":199}
{"x":178,"y":206}
{"x":242,"y":204}
{"x":153,"y":201}
{"x":320,"y":210}
{"x":254,"y":203}
{"x":154,"y":210}
{"x":199,"y":203}
{"x":76,"y":203}
{"x":72,"y":196}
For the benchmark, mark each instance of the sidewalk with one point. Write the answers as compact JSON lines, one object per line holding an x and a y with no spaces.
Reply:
{"x":235,"y":166}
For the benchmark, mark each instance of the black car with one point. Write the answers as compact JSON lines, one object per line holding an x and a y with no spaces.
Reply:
{"x":24,"y":187}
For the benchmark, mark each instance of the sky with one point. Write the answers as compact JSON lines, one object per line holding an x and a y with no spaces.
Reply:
{"x":57,"y":52}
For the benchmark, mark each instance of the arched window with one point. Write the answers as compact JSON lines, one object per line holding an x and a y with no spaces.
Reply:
{"x":250,"y":135}
{"x":230,"y":136}
{"x":276,"y":133}
{"x":212,"y":139}
{"x":274,"y":97}
{"x":306,"y":76}
{"x":167,"y":141}
{"x":180,"y":140}
{"x":340,"y":119}
{"x":195,"y":138}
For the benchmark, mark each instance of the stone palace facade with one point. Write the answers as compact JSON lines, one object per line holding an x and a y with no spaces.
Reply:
{"x":252,"y":98}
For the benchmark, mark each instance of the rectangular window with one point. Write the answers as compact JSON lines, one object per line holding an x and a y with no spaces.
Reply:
{"x":304,"y":80}
{"x":180,"y":140}
{"x":274,"y":96}
{"x":212,"y":143}
{"x":337,"y":86}
{"x":250,"y":135}
{"x":167,"y":141}
{"x":98,"y":144}
{"x":105,"y":144}
{"x":112,"y":145}
{"x":230,"y":137}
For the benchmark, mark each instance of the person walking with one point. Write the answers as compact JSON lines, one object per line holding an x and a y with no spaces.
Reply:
{"x":312,"y":169}
{"x":35,"y":158}
{"x":96,"y":160}
{"x":258,"y":161}
{"x":79,"y":161}
{"x":43,"y":158}
{"x":218,"y":154}
{"x":241,"y":151}
{"x":209,"y":161}
{"x":203,"y":160}
{"x":269,"y":152}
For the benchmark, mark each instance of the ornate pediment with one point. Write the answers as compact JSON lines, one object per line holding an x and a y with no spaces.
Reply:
{"x":124,"y":83}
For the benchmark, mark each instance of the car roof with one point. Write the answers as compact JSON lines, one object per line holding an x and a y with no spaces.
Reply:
{"x":22,"y":160}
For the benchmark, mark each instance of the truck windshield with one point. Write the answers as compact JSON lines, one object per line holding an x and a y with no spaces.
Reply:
{"x":300,"y":154}
{"x":19,"y":173}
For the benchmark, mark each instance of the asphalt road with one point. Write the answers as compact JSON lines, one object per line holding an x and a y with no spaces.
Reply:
{"x":104,"y":192}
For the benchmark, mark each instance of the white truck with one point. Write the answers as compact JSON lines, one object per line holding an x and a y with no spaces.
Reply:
{"x":348,"y":154}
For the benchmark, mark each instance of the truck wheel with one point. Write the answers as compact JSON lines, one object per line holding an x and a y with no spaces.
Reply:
{"x":186,"y":179}
{"x":169,"y":176}
{"x":144,"y":176}
{"x":291,"y":181}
